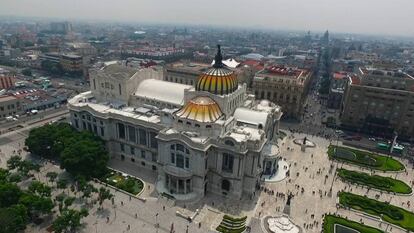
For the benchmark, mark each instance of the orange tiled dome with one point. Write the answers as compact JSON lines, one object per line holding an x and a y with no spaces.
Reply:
{"x":218,"y":80}
{"x":202,"y":109}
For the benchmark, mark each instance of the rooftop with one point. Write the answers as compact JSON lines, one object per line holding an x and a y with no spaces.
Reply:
{"x":87,"y":99}
{"x":5,"y":98}
{"x":118,"y":71}
{"x":279,"y":70}
{"x":163,"y":91}
{"x":188,"y":67}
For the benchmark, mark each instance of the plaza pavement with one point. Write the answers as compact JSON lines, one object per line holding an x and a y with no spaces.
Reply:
{"x":308,"y":170}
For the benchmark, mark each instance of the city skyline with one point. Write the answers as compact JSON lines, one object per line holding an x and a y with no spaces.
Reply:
{"x":318,"y":15}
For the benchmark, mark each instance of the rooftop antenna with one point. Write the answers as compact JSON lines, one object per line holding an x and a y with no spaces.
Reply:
{"x":218,"y":58}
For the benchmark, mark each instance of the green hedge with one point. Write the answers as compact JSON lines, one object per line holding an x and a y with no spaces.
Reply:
{"x":374,"y":181}
{"x":366,"y":159}
{"x":330,"y":221}
{"x":387,"y":212}
{"x":128,"y":184}
{"x":231,"y":224}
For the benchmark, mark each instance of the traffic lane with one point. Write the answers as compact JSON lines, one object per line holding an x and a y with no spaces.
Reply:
{"x":27,"y":118}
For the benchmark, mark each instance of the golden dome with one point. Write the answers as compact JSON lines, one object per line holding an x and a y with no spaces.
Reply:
{"x":218,"y":80}
{"x":202,"y":109}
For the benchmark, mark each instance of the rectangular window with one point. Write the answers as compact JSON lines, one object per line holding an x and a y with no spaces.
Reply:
{"x":131,"y":134}
{"x":95,"y":129}
{"x":179,"y":161}
{"x":132,"y":150}
{"x":154,"y":157}
{"x":228,"y":161}
{"x":122,"y":147}
{"x":102,"y":131}
{"x":142,"y":137}
{"x":153,"y":140}
{"x":121,"y":130}
{"x":172,"y":158}
{"x":143,"y":154}
{"x":187,"y":162}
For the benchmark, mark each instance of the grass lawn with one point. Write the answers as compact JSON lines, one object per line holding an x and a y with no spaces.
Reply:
{"x":124,"y":182}
{"x":364,"y":158}
{"x":330,"y":221}
{"x":387,"y":212}
{"x":374,"y":181}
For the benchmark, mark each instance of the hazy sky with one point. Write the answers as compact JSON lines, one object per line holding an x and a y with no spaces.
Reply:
{"x":370,"y":16}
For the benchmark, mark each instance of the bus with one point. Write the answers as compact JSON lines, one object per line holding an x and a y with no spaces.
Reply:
{"x":386,"y":147}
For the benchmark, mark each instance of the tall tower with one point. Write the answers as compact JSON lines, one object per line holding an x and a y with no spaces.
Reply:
{"x":325,"y":38}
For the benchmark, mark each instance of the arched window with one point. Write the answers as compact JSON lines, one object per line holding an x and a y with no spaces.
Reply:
{"x":229,"y":143}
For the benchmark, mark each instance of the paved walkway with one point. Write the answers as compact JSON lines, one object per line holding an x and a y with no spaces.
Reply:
{"x":314,"y":173}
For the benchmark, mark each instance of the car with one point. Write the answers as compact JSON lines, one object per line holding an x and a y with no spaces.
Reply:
{"x":356,"y":137}
{"x":372,"y":139}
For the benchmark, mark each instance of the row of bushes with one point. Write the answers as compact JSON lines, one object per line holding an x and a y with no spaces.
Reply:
{"x":330,"y":221}
{"x":231,"y":224}
{"x":387,"y":212}
{"x":374,"y":181}
{"x":365,"y":159}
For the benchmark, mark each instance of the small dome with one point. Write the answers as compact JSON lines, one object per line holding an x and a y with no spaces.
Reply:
{"x":218,"y":80}
{"x":202,"y":109}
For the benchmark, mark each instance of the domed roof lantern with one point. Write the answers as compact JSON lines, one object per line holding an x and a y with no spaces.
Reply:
{"x":218,"y":59}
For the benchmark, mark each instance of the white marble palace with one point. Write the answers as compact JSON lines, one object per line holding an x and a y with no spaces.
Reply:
{"x":213,"y":137}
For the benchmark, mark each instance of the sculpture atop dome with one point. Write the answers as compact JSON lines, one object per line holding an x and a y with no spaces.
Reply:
{"x":218,"y":59}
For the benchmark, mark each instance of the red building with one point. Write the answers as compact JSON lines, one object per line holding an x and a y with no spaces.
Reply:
{"x":6,"y":82}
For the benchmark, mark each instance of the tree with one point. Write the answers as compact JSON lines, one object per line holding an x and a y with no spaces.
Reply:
{"x":87,"y":190}
{"x":27,"y":72}
{"x":22,"y":166}
{"x":13,"y":219}
{"x":14,"y":162}
{"x":62,"y":184}
{"x":9,"y":194}
{"x":4,"y":175}
{"x":36,"y":205}
{"x":104,"y":194}
{"x":40,"y":188}
{"x":80,"y":153}
{"x":85,"y":157}
{"x":51,"y":176}
{"x":69,"y":220}
{"x":26,"y":166}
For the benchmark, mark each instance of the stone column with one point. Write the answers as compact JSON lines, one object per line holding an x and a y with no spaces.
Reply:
{"x":185,"y":186}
